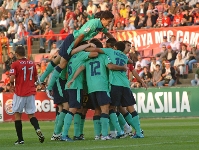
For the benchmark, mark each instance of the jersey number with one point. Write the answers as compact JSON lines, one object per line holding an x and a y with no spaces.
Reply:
{"x":24,"y":71}
{"x":120,"y":62}
{"x":94,"y":66}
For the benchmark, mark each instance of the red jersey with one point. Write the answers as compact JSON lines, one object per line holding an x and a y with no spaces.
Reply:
{"x":39,"y":10}
{"x":64,"y":32}
{"x":25,"y":72}
{"x":7,"y":80}
{"x":177,"y":19}
{"x":166,"y":21}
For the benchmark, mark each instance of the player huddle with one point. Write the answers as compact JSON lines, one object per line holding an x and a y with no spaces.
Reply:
{"x":96,"y":79}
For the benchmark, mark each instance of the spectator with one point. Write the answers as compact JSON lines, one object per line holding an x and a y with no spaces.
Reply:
{"x":56,"y":3}
{"x":12,"y":30}
{"x":103,"y":5}
{"x":129,"y":12}
{"x":48,"y":38}
{"x":3,"y":39}
{"x":195,"y":82}
{"x":126,"y":3}
{"x":3,"y":24}
{"x":38,"y":67}
{"x":48,"y":9}
{"x":165,"y":42}
{"x":134,"y":19}
{"x":8,"y":88}
{"x":32,"y":28}
{"x":81,"y":7}
{"x":154,"y":62}
{"x":43,"y":66}
{"x":159,"y":20}
{"x":162,"y":53}
{"x":185,"y":53}
{"x":9,"y":61}
{"x":45,"y":21}
{"x":175,"y":45}
{"x":123,"y":11}
{"x":10,"y":17}
{"x":119,"y":26}
{"x":188,"y":17}
{"x":128,"y":26}
{"x":168,"y":75}
{"x":194,"y":53}
{"x":173,"y":9}
{"x":142,"y":62}
{"x":34,"y":17}
{"x":134,"y":54}
{"x":150,"y":20}
{"x":170,"y":55}
{"x":166,"y":22}
{"x":179,"y":65}
{"x":142,"y":9}
{"x":33,"y":3}
{"x":135,"y":82}
{"x":136,"y":5}
{"x":22,"y":38}
{"x":53,"y":51}
{"x":157,"y":76}
{"x":64,"y":32}
{"x":140,"y":21}
{"x":69,"y":18}
{"x":23,"y":4}
{"x":20,"y":26}
{"x":91,"y":7}
{"x":3,"y":12}
{"x":39,"y":10}
{"x":8,"y":4}
{"x":183,"y":22}
{"x":177,"y":18}
{"x":146,"y":76}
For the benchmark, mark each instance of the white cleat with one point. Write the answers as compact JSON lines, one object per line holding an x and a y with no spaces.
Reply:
{"x":97,"y":137}
{"x":48,"y":93}
{"x":55,"y":137}
{"x":106,"y":138}
{"x":128,"y":131}
{"x":38,"y":82}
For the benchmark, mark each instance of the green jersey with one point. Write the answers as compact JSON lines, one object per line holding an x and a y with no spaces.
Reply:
{"x":75,"y":62}
{"x":90,"y":29}
{"x":96,"y":74}
{"x":118,"y":78}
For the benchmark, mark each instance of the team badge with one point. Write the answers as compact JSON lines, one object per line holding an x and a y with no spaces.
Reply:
{"x":12,"y":70}
{"x":87,"y":29}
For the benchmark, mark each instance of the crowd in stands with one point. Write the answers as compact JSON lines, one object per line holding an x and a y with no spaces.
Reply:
{"x":20,"y":18}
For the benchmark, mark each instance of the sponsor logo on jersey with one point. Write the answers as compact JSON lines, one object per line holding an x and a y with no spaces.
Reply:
{"x":87,"y":29}
{"x":8,"y":107}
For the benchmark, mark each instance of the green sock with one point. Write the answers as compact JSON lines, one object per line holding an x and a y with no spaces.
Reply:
{"x":54,"y":77}
{"x":67,"y":122}
{"x":56,"y":122}
{"x":77,"y":121}
{"x":114,"y":120}
{"x":82,"y":124}
{"x":112,"y":128}
{"x":136,"y":122}
{"x":97,"y":125}
{"x":60,"y":121}
{"x":121,"y":120}
{"x":48,"y":70}
{"x":104,"y":119}
{"x":129,"y":119}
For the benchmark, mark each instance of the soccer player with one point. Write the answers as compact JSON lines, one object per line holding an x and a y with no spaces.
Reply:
{"x":23,"y":75}
{"x":75,"y":92}
{"x":61,"y":100}
{"x":121,"y":94}
{"x":98,"y":89}
{"x":87,"y":31}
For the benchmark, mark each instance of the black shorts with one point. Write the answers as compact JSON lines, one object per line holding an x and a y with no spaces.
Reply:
{"x":86,"y":102}
{"x":121,"y":96}
{"x":66,"y":46}
{"x":59,"y":93}
{"x":100,"y":98}
{"x":75,"y":97}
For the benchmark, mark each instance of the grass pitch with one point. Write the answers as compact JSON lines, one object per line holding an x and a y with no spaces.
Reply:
{"x":160,"y":134}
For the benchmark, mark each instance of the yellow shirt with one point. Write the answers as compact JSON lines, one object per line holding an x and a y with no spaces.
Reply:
{"x":123,"y":13}
{"x":131,"y":20}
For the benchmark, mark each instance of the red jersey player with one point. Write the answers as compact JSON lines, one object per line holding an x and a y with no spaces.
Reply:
{"x":23,"y":72}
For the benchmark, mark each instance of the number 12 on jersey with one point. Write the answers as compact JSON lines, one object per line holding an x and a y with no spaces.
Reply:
{"x":25,"y":72}
{"x":94,"y":66}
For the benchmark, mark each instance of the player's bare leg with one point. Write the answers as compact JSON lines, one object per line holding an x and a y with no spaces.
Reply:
{"x":34,"y":122}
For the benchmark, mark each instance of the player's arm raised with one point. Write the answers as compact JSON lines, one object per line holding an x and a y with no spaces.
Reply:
{"x":78,"y":71}
{"x":109,"y":35}
{"x":78,"y":40}
{"x":82,"y":47}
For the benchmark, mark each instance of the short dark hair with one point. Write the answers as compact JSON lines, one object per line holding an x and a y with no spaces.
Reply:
{"x":127,"y":42}
{"x":120,"y":46}
{"x":111,"y":41}
{"x":82,"y":43}
{"x":20,"y":50}
{"x":106,"y":15}
{"x":97,"y":43}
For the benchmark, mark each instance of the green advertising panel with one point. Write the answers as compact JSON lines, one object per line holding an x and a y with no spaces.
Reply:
{"x":167,"y":102}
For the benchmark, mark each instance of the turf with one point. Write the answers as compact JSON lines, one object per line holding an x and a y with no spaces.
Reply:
{"x":160,"y":134}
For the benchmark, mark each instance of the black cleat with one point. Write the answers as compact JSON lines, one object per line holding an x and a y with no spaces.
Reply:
{"x":75,"y":138}
{"x":19,"y":142}
{"x":40,"y":135}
